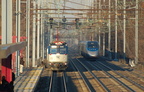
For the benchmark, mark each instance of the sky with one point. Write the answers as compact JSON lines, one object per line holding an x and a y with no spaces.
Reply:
{"x":68,"y":4}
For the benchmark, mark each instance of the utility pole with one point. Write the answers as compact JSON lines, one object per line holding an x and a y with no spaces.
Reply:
{"x":18,"y":16}
{"x":99,"y":16}
{"x":124,"y":28}
{"x":136,"y":32}
{"x":116,"y":30}
{"x":42,"y":35}
{"x":38,"y":30}
{"x":27,"y":31}
{"x":103,"y":43}
{"x":105,"y":29}
{"x":109,"y":28}
{"x":6,"y":21}
{"x":34,"y":34}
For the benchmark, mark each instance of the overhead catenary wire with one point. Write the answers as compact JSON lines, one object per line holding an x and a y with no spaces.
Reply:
{"x":113,"y":13}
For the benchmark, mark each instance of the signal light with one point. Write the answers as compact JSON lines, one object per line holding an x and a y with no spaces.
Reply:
{"x":77,"y":23}
{"x":64,"y":20}
{"x":51,"y":22}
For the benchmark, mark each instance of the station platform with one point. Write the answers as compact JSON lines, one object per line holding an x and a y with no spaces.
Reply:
{"x":28,"y":80}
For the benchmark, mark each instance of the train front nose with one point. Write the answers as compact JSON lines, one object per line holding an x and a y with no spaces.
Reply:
{"x":93,"y":54}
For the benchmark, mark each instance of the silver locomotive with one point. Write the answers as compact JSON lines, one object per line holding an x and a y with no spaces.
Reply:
{"x":89,"y":49}
{"x":57,"y":55}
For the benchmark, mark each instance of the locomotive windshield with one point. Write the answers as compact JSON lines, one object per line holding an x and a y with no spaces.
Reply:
{"x":58,"y":49}
{"x":53,"y":51}
{"x":62,"y":50}
{"x":92,"y":45}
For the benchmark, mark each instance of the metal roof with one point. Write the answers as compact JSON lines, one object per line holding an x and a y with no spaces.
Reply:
{"x":7,"y":49}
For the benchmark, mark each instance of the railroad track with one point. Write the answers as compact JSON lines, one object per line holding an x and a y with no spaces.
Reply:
{"x":91,"y":82}
{"x":124,"y":83}
{"x":90,"y":76}
{"x":58,"y":82}
{"x":127,"y":70}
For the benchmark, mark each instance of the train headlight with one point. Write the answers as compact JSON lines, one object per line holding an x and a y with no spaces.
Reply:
{"x":50,"y":63}
{"x":58,"y":54}
{"x":65,"y":63}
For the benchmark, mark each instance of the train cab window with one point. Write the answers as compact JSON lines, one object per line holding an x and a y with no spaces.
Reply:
{"x":62,"y":50}
{"x":92,"y":45}
{"x":53,"y":51}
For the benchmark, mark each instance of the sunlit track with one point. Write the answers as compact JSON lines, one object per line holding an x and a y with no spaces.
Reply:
{"x":141,"y":87}
{"x":83,"y":75}
{"x":99,"y":86}
{"x":111,"y":77}
{"x":105,"y":80}
{"x":130,"y":73}
{"x":131,"y":76}
{"x":100,"y":82}
{"x":77,"y":80}
{"x":137,"y":74}
{"x":58,"y":82}
{"x":90,"y":80}
{"x":120,"y":79}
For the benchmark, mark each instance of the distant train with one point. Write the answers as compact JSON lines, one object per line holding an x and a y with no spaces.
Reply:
{"x":89,"y":49}
{"x":57,"y":55}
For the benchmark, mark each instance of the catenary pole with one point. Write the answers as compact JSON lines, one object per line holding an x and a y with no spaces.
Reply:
{"x":124,"y":28}
{"x":6,"y":21}
{"x":34,"y":34}
{"x":41,"y":34}
{"x":116,"y":30}
{"x":18,"y":27}
{"x":104,"y":34}
{"x":43,"y":37}
{"x":109,"y":28}
{"x":136,"y":32}
{"x":27,"y":31}
{"x":103,"y":43}
{"x":99,"y":16}
{"x":38,"y":30}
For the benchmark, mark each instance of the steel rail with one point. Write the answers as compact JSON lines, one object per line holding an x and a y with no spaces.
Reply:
{"x":103,"y":86}
{"x":65,"y":84}
{"x":76,"y":74}
{"x":51,"y":82}
{"x":139,"y":86}
{"x":82,"y":77}
{"x":124,"y":85}
{"x":135,"y":74}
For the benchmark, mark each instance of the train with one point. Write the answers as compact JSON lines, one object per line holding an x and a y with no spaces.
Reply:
{"x":89,"y":49}
{"x":57,"y":55}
